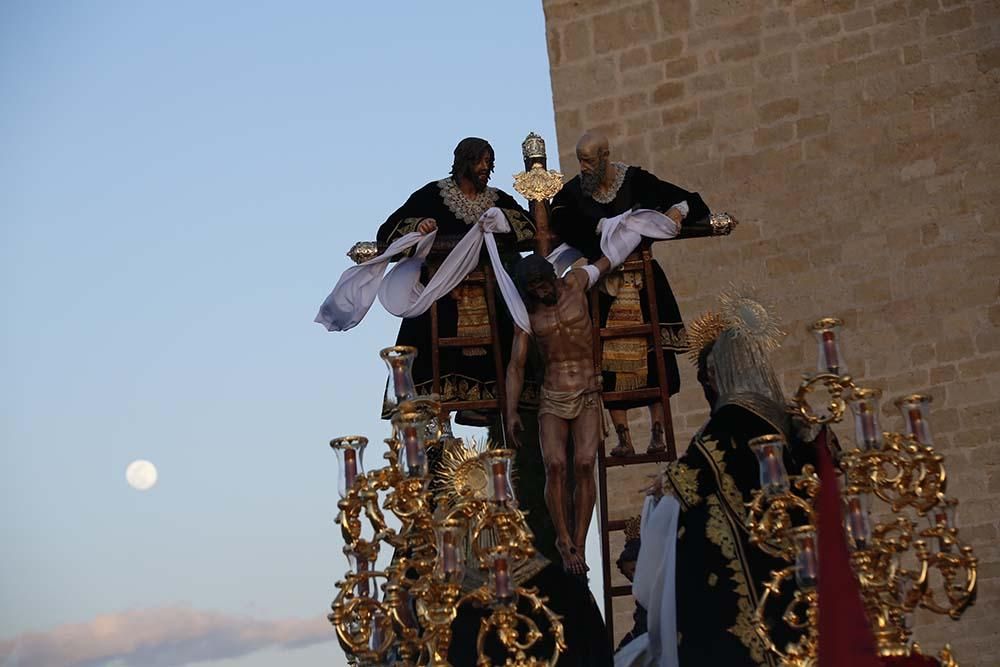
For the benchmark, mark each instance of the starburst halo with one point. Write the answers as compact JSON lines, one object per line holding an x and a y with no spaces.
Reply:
{"x":747,"y":315}
{"x":702,"y":332}
{"x":461,"y":473}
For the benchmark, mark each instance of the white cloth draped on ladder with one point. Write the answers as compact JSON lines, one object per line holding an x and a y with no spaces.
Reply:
{"x":654,"y":587}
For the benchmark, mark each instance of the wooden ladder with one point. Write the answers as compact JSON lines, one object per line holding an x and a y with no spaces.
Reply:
{"x":486,"y":278}
{"x":640,"y":260}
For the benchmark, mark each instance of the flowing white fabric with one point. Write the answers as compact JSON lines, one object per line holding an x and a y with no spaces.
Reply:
{"x":623,"y":233}
{"x":493,"y":220}
{"x":353,"y":295}
{"x":563,"y":257}
{"x":654,"y":587}
{"x":401,"y":292}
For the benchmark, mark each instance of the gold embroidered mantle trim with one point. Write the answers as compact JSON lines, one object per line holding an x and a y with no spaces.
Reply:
{"x":719,"y":530}
{"x":523,"y":228}
{"x":455,"y":387}
{"x":728,"y":490}
{"x":673,"y":337}
{"x":404,"y":227}
{"x":465,"y":209}
{"x":681,"y":481}
{"x":726,"y":511}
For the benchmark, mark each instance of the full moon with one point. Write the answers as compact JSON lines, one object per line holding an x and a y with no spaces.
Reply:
{"x":141,"y":475}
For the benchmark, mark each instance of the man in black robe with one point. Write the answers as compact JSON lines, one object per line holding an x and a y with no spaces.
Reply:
{"x":452,"y":205}
{"x":605,"y":189}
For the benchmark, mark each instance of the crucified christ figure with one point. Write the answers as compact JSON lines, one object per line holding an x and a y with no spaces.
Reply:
{"x":570,"y":396}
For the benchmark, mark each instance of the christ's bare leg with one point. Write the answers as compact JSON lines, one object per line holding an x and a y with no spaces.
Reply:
{"x":553,"y":432}
{"x":587,"y":437}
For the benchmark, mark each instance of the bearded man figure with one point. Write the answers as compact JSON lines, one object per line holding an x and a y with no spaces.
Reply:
{"x":451,"y":206}
{"x":604,"y":189}
{"x":570,"y":398}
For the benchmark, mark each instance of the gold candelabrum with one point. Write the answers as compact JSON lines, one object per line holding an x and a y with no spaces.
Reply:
{"x":440,"y":535}
{"x":901,"y":562}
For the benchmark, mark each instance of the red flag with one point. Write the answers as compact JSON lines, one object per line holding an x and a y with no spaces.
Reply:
{"x":845,"y":636}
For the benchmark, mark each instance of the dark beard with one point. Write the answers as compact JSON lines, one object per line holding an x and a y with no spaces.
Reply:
{"x":532,"y":302}
{"x":474,"y":179}
{"x":590,"y":182}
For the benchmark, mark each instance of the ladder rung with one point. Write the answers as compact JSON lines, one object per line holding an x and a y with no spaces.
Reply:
{"x":471,"y":405}
{"x":470,"y":341}
{"x":474,"y":278}
{"x":651,"y":392}
{"x":635,"y":459}
{"x":619,"y":591}
{"x":632,"y":265}
{"x":616,"y":524}
{"x":630,"y":330}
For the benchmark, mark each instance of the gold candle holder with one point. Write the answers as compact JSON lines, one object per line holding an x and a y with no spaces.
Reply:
{"x":402,"y":613}
{"x":899,"y":566}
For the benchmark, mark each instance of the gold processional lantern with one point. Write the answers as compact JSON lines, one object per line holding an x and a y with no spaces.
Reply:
{"x":402,"y":614}
{"x":901,"y":560}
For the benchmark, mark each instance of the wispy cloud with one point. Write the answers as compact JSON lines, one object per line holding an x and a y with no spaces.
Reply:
{"x":159,"y":637}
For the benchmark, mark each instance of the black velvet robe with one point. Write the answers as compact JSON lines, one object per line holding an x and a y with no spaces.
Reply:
{"x":574,"y":219}
{"x":719,"y":575}
{"x":463,"y":377}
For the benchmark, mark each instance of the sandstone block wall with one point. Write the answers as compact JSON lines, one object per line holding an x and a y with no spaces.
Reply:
{"x":858,"y":142}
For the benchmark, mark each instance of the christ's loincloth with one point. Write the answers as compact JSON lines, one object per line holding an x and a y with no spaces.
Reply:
{"x":568,"y":404}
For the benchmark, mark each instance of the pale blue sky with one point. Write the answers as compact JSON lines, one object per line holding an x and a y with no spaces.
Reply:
{"x":179,"y":182}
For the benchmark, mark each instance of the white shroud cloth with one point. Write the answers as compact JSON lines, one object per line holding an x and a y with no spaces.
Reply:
{"x":355,"y":291}
{"x":654,"y":587}
{"x":623,"y":233}
{"x":401,"y":292}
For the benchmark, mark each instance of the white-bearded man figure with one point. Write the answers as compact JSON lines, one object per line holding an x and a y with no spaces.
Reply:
{"x":605,"y":189}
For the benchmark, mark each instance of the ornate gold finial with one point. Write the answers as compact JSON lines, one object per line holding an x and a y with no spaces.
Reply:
{"x":533,"y":146}
{"x":362,"y":251}
{"x":537,"y":184}
{"x":702,"y":332}
{"x":632,"y":525}
{"x":722,"y":224}
{"x":745,"y":313}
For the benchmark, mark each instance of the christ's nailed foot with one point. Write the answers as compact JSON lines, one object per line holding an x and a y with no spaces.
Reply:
{"x":572,"y":559}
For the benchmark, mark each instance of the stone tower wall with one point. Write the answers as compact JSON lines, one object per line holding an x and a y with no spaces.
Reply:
{"x":858,"y":142}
